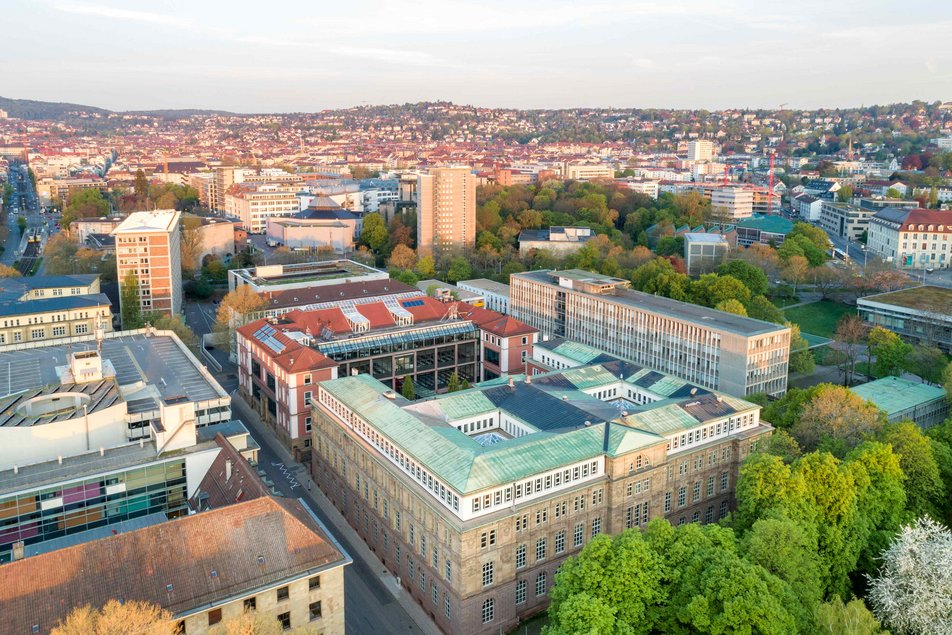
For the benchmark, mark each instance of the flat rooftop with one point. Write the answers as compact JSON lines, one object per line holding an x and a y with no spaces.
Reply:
{"x":160,"y":220}
{"x":317,"y":273}
{"x":157,"y":360}
{"x":927,"y":297}
{"x":488,"y":285}
{"x":693,"y":313}
{"x":894,"y":394}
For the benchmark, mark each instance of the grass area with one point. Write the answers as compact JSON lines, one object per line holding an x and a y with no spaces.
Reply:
{"x":784,"y":302}
{"x":819,"y":318}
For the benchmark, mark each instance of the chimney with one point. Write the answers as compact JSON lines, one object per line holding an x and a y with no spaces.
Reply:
{"x":227,"y":470}
{"x":17,"y":551}
{"x":102,"y":451}
{"x":528,"y":378}
{"x":512,"y":382}
{"x":59,"y":459}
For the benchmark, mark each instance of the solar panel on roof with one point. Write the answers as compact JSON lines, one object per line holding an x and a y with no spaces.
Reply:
{"x":265,"y":335}
{"x":410,"y":303}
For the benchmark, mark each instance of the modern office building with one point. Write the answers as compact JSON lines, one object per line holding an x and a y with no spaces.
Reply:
{"x":100,"y":431}
{"x":844,"y":220}
{"x":763,"y":229}
{"x":912,"y":238}
{"x":714,"y":349}
{"x":495,"y":294}
{"x":704,"y":252}
{"x":52,"y":307}
{"x":572,"y":171}
{"x":559,"y":241}
{"x":732,"y":203}
{"x":269,"y":555}
{"x":148,"y":245}
{"x":901,"y":399}
{"x":700,"y":150}
{"x":475,"y":498}
{"x":921,"y":315}
{"x":222,"y":179}
{"x":417,"y":339}
{"x":254,"y":203}
{"x":446,"y":209}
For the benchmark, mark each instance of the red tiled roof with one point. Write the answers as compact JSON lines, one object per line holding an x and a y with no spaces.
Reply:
{"x":377,"y":313}
{"x":244,"y":484}
{"x":250,"y":545}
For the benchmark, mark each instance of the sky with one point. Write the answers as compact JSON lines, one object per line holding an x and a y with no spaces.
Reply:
{"x":291,"y":56}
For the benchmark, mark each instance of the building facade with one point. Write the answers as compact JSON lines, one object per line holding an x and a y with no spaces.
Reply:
{"x":254,"y":203}
{"x":148,"y":246}
{"x":700,"y":150}
{"x":718,"y":350}
{"x":474,"y":499}
{"x":40,"y":308}
{"x":919,"y":314}
{"x":732,"y":203}
{"x":495,"y":295}
{"x":560,"y":241}
{"x":923,"y":404}
{"x":912,"y":238}
{"x":446,"y":209}
{"x":844,"y":220}
{"x":703,"y":253}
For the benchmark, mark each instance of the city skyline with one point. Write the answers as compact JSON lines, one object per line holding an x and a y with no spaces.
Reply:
{"x":684,"y":55}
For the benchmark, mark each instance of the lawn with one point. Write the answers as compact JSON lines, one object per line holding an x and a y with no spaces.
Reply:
{"x":819,"y":318}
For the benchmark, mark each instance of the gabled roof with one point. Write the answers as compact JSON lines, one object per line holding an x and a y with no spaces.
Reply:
{"x":182,"y":565}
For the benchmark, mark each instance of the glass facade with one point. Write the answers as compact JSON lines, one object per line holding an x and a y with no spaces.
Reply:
{"x":51,"y":512}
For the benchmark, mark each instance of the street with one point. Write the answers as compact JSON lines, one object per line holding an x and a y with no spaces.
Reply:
{"x":370,"y":607}
{"x":23,"y":202}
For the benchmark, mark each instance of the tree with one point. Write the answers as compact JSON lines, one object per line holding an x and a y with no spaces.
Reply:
{"x":927,"y":362}
{"x":130,"y":306}
{"x":426,"y":267}
{"x":850,"y":334}
{"x":164,"y":322}
{"x":459,"y":270}
{"x":21,"y":224}
{"x":374,"y":233}
{"x":581,"y":613}
{"x":801,"y":359}
{"x":191,"y":244}
{"x":925,"y":490}
{"x":844,"y":194}
{"x":826,"y":280}
{"x":837,"y":419}
{"x":947,"y":381}
{"x":753,"y":277}
{"x":711,"y":289}
{"x":402,"y":257}
{"x":8,"y":272}
{"x":912,"y":593}
{"x":795,"y":271}
{"x":893,"y":193}
{"x":236,"y":309}
{"x":407,"y":390}
{"x":890,"y":351}
{"x":624,"y":573}
{"x":130,"y":616}
{"x":731,"y":306}
{"x":140,"y":187}
{"x":814,"y":234}
{"x":882,"y":497}
{"x":453,"y":385}
{"x":760,"y":308}
{"x":853,"y":618}
{"x":84,"y":203}
{"x":783,"y":445}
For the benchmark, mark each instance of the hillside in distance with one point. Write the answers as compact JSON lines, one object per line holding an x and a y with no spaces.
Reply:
{"x":61,"y":111}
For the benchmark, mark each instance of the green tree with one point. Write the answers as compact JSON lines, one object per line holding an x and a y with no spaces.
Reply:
{"x":374,"y":233}
{"x":731,"y":306}
{"x":760,"y":308}
{"x":882,"y":497}
{"x":753,"y":277}
{"x":817,"y":236}
{"x":454,"y":384}
{"x":459,"y":270}
{"x":893,"y":193}
{"x":84,"y":203}
{"x":924,"y":487}
{"x":890,"y":351}
{"x":164,"y":322}
{"x":801,"y":359}
{"x":140,"y":187}
{"x":844,"y":194}
{"x":406,"y":389}
{"x":623,"y":573}
{"x":21,"y":224}
{"x":425,"y":266}
{"x":711,"y":289}
{"x":786,"y":411}
{"x":836,"y":618}
{"x":131,"y":309}
{"x":782,"y":444}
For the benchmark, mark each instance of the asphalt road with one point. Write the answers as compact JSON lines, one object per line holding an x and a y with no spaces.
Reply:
{"x":24,"y":202}
{"x":370,"y":608}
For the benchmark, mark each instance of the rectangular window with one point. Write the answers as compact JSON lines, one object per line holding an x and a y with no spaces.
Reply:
{"x":540,"y":549}
{"x":521,"y":591}
{"x":250,"y":604}
{"x":447,"y":610}
{"x":283,"y":594}
{"x":725,"y":479}
{"x":214,"y":617}
{"x":520,"y":556}
{"x":314,"y":583}
{"x":488,"y":573}
{"x":314,"y":609}
{"x":596,"y":526}
{"x":560,"y":542}
{"x":489,"y":610}
{"x":667,"y":502}
{"x":541,"y":580}
{"x":285,"y":620}
{"x":696,"y":492}
{"x":307,"y":398}
{"x":710,"y":485}
{"x":577,"y":538}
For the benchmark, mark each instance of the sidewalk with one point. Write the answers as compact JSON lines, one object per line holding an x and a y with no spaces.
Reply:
{"x":338,"y":524}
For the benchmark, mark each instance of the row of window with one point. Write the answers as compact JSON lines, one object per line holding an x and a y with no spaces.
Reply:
{"x":282,"y":595}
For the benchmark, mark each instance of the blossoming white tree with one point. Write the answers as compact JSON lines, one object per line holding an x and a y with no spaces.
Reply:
{"x":913,"y":592}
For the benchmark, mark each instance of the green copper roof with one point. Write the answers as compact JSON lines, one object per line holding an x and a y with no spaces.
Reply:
{"x":577,"y":352}
{"x":893,"y":394}
{"x":769,"y":224}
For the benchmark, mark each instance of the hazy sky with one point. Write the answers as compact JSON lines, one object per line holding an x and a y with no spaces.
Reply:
{"x":279,"y":55}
